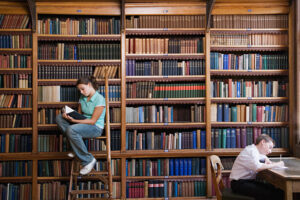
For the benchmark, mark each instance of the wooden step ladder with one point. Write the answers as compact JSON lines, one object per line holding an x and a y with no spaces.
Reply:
{"x":104,"y":177}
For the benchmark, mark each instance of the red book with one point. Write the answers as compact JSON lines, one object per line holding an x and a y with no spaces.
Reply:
{"x":259,"y":113}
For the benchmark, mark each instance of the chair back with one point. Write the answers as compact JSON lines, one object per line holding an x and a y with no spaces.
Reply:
{"x":216,"y":170}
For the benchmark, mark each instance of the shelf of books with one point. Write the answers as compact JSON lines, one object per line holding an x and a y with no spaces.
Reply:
{"x":15,"y":105}
{"x":69,"y":47}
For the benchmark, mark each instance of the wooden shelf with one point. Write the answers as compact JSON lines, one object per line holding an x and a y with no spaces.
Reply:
{"x":20,"y":51}
{"x":48,"y":127}
{"x":164,"y":125}
{"x":250,"y":100}
{"x":19,"y":30}
{"x":130,"y":178}
{"x":15,"y":110}
{"x":15,"y":70}
{"x":16,"y":179}
{"x":15,"y":89}
{"x":16,"y":156}
{"x":80,"y":62}
{"x":261,"y":48}
{"x":67,"y":178}
{"x":164,"y":153}
{"x":236,"y":151}
{"x":164,"y":31}
{"x":15,"y":130}
{"x":248,"y":124}
{"x":279,"y":72}
{"x":166,"y":78}
{"x":200,"y":100}
{"x":71,"y":104}
{"x":73,"y":81}
{"x":248,"y":30}
{"x":55,"y":37}
{"x":165,"y":56}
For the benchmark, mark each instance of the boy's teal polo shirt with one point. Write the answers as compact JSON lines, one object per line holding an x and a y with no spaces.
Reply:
{"x":87,"y":108}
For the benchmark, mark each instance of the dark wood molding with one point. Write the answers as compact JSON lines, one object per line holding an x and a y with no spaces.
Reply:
{"x":32,"y":9}
{"x":122,"y":15}
{"x":209,"y":7}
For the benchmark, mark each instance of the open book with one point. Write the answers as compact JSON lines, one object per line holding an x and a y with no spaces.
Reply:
{"x":73,"y":113}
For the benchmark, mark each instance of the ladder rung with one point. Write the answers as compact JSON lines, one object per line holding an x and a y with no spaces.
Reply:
{"x":91,"y":173}
{"x":95,"y":198}
{"x":100,"y":138}
{"x":74,"y":192}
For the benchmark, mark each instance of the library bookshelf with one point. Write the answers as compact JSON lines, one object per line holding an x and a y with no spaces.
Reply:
{"x":143,"y":30}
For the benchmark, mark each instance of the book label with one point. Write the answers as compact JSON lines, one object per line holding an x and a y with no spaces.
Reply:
{"x":79,"y":11}
{"x":166,"y":150}
{"x":249,"y":98}
{"x":250,"y":123}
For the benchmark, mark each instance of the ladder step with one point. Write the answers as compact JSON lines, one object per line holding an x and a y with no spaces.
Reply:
{"x":95,"y":198}
{"x":74,"y":192}
{"x":101,"y":137}
{"x":90,"y":174}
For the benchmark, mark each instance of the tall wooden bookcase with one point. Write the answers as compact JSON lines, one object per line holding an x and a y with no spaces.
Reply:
{"x":135,"y":9}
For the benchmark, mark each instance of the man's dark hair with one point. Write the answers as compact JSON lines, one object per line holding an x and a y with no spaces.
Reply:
{"x":264,"y":137}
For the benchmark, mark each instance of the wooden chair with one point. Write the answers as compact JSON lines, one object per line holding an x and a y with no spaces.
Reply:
{"x":103,"y":176}
{"x":222,"y":192}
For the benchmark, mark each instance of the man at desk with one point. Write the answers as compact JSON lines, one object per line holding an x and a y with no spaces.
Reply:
{"x":248,"y":163}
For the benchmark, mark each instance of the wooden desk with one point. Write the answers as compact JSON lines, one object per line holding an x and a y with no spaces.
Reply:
{"x":287,"y":179}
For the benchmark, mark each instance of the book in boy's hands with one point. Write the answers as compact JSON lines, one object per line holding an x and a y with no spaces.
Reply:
{"x":73,"y":113}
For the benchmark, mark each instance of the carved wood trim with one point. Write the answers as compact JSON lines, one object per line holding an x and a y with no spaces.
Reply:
{"x":209,"y":7}
{"x":32,"y":9}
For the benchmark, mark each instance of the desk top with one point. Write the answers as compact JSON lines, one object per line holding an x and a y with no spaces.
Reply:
{"x":293,"y":168}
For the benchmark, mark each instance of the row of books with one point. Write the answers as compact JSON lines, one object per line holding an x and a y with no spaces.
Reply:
{"x":15,"y":61}
{"x":113,"y":71}
{"x":244,"y":88}
{"x":165,"y":114}
{"x":164,"y":45}
{"x":249,"y":39}
{"x":2,"y":142}
{"x":63,"y":71}
{"x":150,"y":140}
{"x":58,"y":94}
{"x":166,"y":167}
{"x":114,"y":92}
{"x":249,"y":113}
{"x":56,"y":142}
{"x":227,"y":162}
{"x":165,"y":21}
{"x":164,"y":90}
{"x":19,"y":143}
{"x":166,"y":189}
{"x":69,"y":51}
{"x":14,"y":21}
{"x":15,"y":101}
{"x":248,"y":61}
{"x":249,"y":21}
{"x":15,"y":120}
{"x":115,"y":115}
{"x":165,"y":68}
{"x":55,"y":168}
{"x":241,"y":137}
{"x":55,"y":190}
{"x":59,"y":190}
{"x":13,"y":191}
{"x":16,"y":41}
{"x":15,"y":168}
{"x":15,"y":80}
{"x":78,"y":26}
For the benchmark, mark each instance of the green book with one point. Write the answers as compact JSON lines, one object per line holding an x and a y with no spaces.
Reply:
{"x":234,"y":114}
{"x":223,"y":137}
{"x":254,"y":118}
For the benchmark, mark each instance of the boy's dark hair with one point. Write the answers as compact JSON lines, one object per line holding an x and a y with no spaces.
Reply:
{"x":264,"y":137}
{"x":86,"y":80}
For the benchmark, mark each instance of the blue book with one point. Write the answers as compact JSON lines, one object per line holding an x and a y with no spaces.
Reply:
{"x":238,"y":88}
{"x":194,"y":139}
{"x":171,"y":166}
{"x":127,"y":67}
{"x":141,"y":114}
{"x":127,"y":189}
{"x":233,"y":138}
{"x":175,"y":189}
{"x":165,"y":189}
{"x":226,"y":113}
{"x":185,"y":166}
{"x":257,"y":61}
{"x":179,"y":140}
{"x":225,"y":61}
{"x":203,"y":139}
{"x":203,"y":166}
{"x":189,"y":171}
{"x":181,"y":166}
{"x":228,"y":138}
{"x":176,"y":167}
{"x":219,"y":113}
{"x":172,"y":109}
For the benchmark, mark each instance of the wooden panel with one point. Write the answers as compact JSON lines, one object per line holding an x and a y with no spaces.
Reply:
{"x":13,"y":7}
{"x":79,"y":8}
{"x":163,"y":8}
{"x":260,"y":7}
